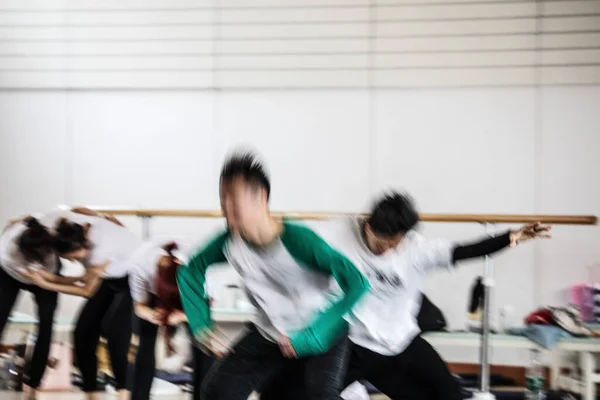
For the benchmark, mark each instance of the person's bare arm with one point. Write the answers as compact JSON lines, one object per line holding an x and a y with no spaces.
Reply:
{"x":146,"y":313}
{"x":87,"y":290}
{"x":91,"y":281}
{"x":93,"y":213}
{"x":14,"y":221}
{"x":63,"y":280}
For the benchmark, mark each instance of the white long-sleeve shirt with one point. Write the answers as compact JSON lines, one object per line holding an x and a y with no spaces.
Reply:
{"x":384,"y":320}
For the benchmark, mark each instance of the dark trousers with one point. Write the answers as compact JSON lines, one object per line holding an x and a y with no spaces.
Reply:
{"x":111,"y":304}
{"x":418,"y":373}
{"x":46,"y":302}
{"x":145,"y":363}
{"x":255,"y":362}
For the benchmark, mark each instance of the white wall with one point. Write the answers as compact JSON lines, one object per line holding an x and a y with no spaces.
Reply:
{"x":513,"y":150}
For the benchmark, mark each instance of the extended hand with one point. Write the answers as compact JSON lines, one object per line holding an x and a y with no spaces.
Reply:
{"x":286,"y":347}
{"x":176,"y":318}
{"x":36,"y":277}
{"x":214,"y":343}
{"x":530,"y":231}
{"x":151,"y":315}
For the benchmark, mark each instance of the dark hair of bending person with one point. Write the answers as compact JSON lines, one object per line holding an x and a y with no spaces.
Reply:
{"x":36,"y":242}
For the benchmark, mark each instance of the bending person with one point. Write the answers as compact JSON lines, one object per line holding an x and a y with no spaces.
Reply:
{"x":386,"y":347}
{"x":27,"y":245}
{"x":286,"y":270}
{"x":153,"y":281}
{"x":104,"y":247}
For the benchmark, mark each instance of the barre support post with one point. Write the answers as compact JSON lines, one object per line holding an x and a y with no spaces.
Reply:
{"x":488,"y":283}
{"x":146,"y":226}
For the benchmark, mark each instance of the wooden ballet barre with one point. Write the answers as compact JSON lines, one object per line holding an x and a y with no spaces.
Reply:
{"x":427,"y":217}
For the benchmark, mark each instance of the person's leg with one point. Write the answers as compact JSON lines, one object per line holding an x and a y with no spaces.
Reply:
{"x":289,"y":384}
{"x":118,"y":336}
{"x":46,"y":302}
{"x":145,"y":361}
{"x":324,"y":374}
{"x":252,"y":362}
{"x":417,"y":373}
{"x":357,"y":367}
{"x":293,"y":382}
{"x":87,"y":336}
{"x":201,"y":363}
{"x":9,"y":291}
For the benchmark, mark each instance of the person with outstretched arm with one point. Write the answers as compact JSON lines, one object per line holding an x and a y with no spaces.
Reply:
{"x":386,"y":347}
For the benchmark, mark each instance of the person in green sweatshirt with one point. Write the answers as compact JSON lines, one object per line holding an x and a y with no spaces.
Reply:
{"x":286,"y":271}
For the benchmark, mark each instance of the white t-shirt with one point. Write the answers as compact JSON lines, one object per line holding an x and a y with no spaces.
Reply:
{"x":110,"y":242}
{"x":384,"y":320}
{"x":11,"y":259}
{"x":142,"y":273}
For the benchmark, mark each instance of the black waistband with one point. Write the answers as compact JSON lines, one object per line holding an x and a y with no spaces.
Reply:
{"x":117,"y":284}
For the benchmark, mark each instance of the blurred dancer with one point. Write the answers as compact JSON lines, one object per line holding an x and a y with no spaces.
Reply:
{"x":153,"y":281}
{"x":286,"y":270}
{"x":386,"y":348}
{"x":104,"y":247}
{"x":26,"y":244}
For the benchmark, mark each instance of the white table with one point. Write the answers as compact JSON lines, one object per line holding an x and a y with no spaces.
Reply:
{"x":586,"y":348}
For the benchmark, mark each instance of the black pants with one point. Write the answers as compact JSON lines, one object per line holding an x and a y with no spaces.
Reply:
{"x":111,"y":304}
{"x":255,"y":362}
{"x":145,"y":363}
{"x":46,"y":302}
{"x":418,"y":373}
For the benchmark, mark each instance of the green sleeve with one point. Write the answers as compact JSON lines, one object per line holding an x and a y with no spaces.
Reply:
{"x":191,"y":280}
{"x":313,"y":252}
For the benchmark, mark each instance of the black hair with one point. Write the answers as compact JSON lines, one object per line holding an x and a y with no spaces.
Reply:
{"x":393,"y":214}
{"x":36,"y":242}
{"x":69,"y":236}
{"x":246,"y":166}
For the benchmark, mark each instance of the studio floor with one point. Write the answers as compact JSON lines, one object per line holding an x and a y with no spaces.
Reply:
{"x":78,"y":396}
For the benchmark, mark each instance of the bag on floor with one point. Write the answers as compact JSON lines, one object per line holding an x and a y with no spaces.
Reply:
{"x":430,"y":318}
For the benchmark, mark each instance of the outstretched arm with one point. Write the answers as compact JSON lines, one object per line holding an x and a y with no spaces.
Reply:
{"x":87,"y":290}
{"x":63,"y":280}
{"x":93,"y":213}
{"x":509,"y":239}
{"x":481,"y":248}
{"x":433,"y":254}
{"x":14,"y":221}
